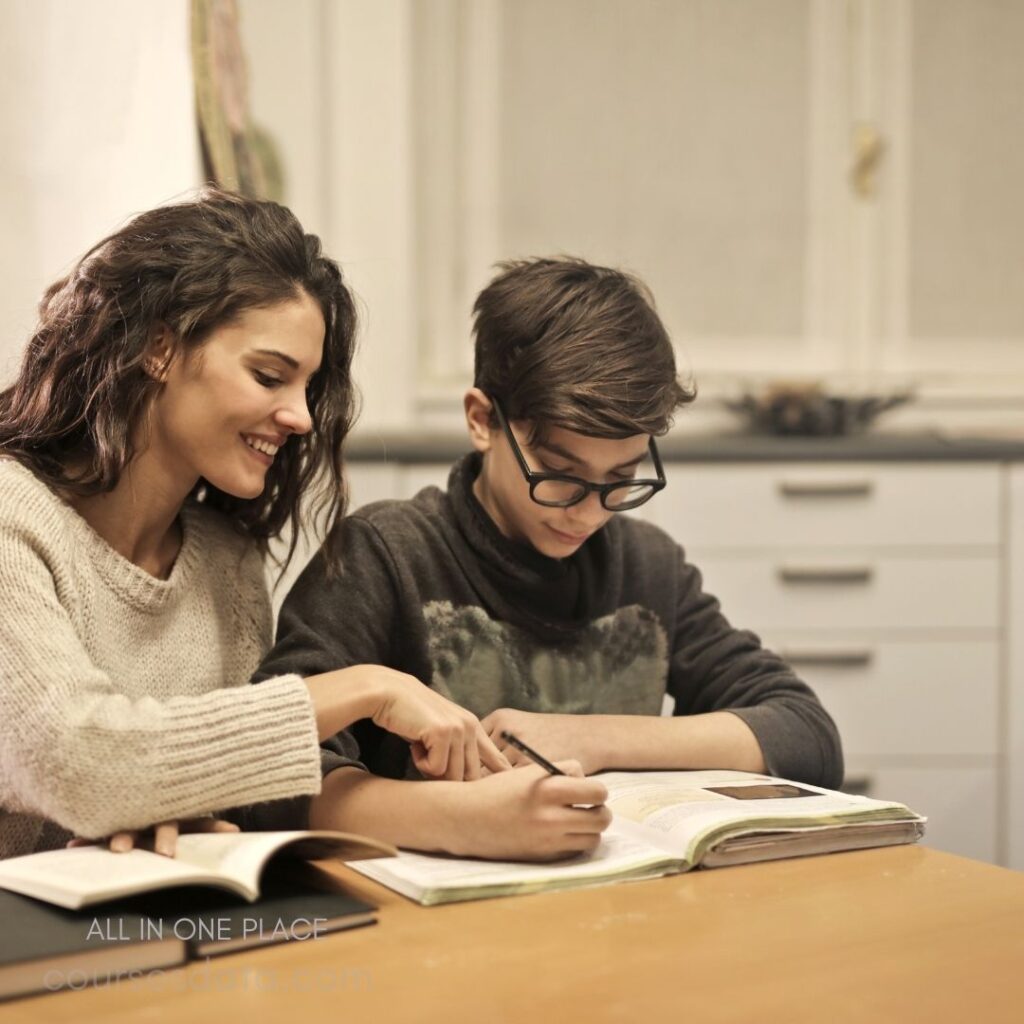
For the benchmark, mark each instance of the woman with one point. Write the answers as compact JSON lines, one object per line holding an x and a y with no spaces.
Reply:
{"x":188,"y":383}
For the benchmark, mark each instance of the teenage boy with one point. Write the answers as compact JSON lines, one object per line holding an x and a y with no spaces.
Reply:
{"x":525,"y":595}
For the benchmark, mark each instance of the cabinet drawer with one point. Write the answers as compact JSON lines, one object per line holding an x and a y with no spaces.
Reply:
{"x":960,"y":803}
{"x":854,"y":591}
{"x":924,"y":699}
{"x":815,"y":504}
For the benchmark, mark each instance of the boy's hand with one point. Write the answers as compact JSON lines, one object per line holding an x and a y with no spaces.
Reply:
{"x":531,"y":815}
{"x":554,"y":736}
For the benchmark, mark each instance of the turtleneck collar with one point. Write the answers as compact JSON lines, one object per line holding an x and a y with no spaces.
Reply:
{"x":552,"y":594}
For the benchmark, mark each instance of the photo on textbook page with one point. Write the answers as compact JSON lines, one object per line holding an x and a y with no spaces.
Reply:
{"x":774,"y":792}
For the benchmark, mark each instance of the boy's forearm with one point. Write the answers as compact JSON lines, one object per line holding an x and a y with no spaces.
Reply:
{"x":418,"y":815}
{"x":717,"y":739}
{"x":525,"y":814}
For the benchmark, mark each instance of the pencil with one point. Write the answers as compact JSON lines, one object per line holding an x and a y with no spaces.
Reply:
{"x":530,"y":753}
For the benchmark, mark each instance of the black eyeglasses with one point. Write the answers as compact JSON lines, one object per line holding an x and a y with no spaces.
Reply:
{"x":559,"y":491}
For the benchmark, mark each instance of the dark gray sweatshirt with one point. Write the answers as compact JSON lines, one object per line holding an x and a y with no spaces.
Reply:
{"x":430,"y":586}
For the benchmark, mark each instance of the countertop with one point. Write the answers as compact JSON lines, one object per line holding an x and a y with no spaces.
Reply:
{"x":417,"y":446}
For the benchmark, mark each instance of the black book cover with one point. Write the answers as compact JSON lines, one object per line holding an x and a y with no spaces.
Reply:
{"x":215,"y":922}
{"x":44,"y":948}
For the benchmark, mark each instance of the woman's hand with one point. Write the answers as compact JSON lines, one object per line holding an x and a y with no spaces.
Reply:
{"x":448,"y":742}
{"x":162,"y":838}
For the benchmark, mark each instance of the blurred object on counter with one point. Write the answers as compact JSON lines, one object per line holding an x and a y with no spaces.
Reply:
{"x":806,"y":409}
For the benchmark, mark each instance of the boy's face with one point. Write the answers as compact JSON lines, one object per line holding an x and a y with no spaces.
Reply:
{"x":503,"y":490}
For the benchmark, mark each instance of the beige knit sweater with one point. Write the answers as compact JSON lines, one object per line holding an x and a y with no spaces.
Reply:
{"x":123,"y":698}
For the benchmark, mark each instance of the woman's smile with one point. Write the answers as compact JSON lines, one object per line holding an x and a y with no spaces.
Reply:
{"x":262,"y":448}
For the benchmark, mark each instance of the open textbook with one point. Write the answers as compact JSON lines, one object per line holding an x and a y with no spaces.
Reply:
{"x":668,"y":822}
{"x":84,"y":875}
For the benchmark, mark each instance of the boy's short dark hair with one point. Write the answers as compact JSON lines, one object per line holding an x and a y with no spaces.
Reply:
{"x":562,"y":342}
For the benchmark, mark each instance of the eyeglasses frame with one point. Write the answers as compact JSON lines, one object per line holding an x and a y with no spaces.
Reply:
{"x":533,"y":478}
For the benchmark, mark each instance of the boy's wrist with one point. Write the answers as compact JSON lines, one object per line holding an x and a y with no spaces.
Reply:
{"x":591,"y":751}
{"x":433,"y":817}
{"x":442,"y":816}
{"x":452,"y":816}
{"x":585,"y":741}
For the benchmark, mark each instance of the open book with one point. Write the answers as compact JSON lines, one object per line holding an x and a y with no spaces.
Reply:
{"x":148,"y":912}
{"x":667,"y":822}
{"x":85,"y":875}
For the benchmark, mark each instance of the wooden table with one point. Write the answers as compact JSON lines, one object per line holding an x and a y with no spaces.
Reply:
{"x":901,"y":934}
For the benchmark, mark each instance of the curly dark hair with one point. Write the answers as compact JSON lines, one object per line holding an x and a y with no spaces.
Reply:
{"x":563,"y":342}
{"x":72,"y":414}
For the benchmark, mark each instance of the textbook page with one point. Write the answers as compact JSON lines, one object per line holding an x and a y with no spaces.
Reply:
{"x":685,"y":813}
{"x":439,"y":879}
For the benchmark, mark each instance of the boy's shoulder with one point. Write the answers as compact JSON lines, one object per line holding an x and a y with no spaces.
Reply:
{"x":423,"y":512}
{"x":637,"y":537}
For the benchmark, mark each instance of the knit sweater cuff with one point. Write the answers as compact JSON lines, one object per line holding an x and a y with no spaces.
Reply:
{"x":240,"y":746}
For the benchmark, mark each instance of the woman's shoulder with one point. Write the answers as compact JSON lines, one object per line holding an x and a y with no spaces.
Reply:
{"x":36,"y":526}
{"x":27,"y":501}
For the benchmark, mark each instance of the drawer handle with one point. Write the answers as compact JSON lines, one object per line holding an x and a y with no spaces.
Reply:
{"x":835,"y":489}
{"x":858,"y":785}
{"x":840,"y":658}
{"x":826,"y":574}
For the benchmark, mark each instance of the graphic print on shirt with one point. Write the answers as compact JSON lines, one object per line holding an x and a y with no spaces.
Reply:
{"x":617,"y":664}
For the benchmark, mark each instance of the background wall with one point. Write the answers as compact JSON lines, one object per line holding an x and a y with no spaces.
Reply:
{"x":330,"y":80}
{"x":96,"y":123}
{"x":814,"y":189}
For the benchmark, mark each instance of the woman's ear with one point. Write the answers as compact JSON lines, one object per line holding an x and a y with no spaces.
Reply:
{"x":160,"y":353}
{"x":478,"y":409}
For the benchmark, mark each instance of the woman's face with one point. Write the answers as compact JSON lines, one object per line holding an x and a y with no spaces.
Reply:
{"x":228,"y":406}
